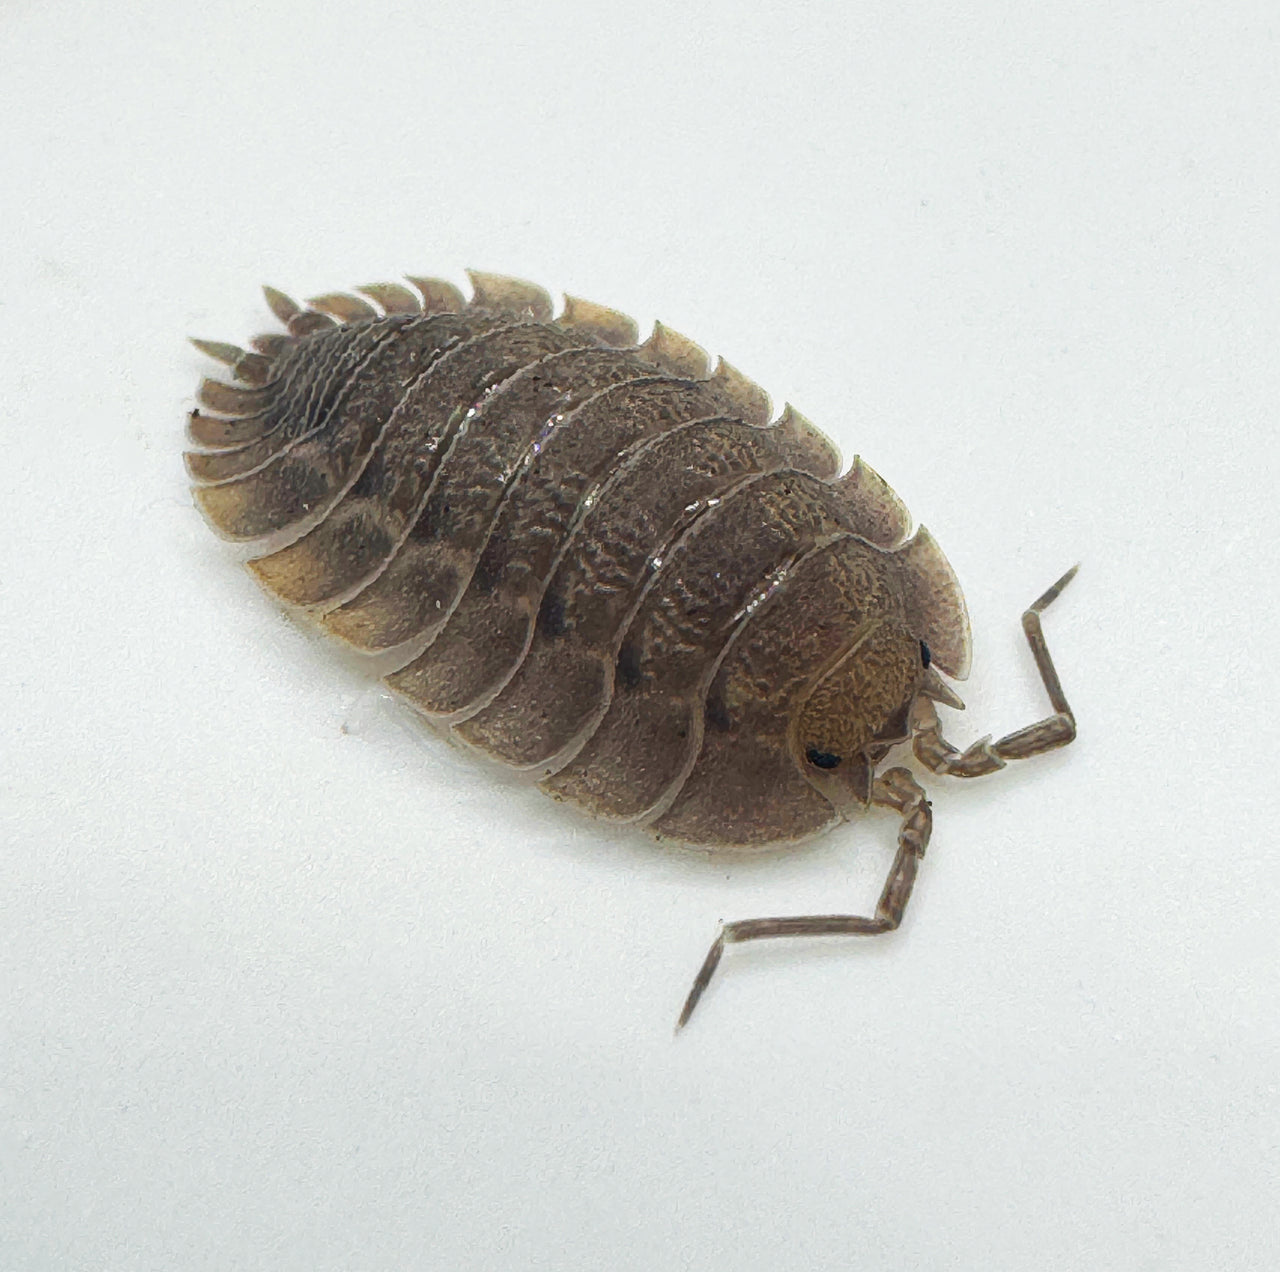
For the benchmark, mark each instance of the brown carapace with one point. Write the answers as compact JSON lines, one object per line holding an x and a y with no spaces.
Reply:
{"x":599,"y":561}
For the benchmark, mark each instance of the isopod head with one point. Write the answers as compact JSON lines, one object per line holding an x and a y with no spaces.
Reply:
{"x":860,"y":705}
{"x":857,"y":711}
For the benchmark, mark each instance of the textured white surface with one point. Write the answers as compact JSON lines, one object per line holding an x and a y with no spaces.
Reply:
{"x":288,"y":984}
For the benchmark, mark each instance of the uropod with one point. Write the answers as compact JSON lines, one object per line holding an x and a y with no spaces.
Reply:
{"x":604,"y":563}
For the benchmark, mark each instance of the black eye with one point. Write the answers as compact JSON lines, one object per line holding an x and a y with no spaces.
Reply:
{"x":925,"y":656}
{"x":821,"y":759}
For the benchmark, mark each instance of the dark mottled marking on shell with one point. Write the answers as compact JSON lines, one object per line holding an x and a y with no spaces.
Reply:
{"x":595,"y":559}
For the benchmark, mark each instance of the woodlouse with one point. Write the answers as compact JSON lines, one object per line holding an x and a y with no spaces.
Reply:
{"x":599,"y":561}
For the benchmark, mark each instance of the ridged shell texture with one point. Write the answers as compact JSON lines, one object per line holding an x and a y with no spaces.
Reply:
{"x":595,"y":559}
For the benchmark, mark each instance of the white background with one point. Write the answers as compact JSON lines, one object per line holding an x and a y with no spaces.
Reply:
{"x":286,"y":983}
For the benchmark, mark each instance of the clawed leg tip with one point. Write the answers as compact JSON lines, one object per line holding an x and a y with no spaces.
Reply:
{"x":702,"y":980}
{"x":694,"y":996}
{"x":1042,"y":603}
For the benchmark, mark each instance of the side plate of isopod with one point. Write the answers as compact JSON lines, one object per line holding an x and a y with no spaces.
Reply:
{"x":603,"y":562}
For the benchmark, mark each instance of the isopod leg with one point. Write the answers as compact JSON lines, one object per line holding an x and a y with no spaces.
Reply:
{"x":985,"y":756}
{"x":898,"y":790}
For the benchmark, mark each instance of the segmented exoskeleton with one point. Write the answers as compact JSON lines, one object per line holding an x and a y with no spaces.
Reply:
{"x":600,"y":562}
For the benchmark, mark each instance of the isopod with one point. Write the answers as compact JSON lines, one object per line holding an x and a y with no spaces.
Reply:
{"x":603,"y":563}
